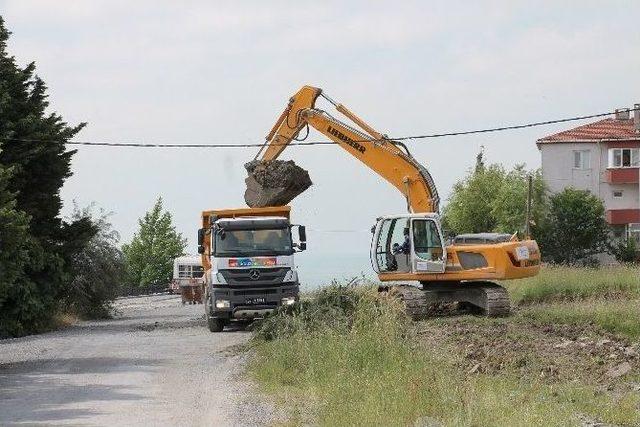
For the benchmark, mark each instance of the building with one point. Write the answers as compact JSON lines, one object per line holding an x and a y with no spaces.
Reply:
{"x":604,"y":158}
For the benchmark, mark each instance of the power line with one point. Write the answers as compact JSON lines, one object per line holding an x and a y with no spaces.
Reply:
{"x":324,"y":142}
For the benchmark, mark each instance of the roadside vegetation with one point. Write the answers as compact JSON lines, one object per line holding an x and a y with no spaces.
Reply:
{"x":567,"y":356}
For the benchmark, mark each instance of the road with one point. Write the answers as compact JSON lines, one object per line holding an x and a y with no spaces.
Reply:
{"x":156,"y":363}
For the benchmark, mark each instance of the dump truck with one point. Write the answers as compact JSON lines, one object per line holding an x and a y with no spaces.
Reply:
{"x":248,"y":260}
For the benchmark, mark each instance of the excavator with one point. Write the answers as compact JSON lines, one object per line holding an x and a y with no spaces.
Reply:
{"x":408,"y":251}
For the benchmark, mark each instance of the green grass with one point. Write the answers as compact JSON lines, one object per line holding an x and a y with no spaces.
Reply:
{"x":349,"y":357}
{"x":555,"y":284}
{"x":620,"y":317}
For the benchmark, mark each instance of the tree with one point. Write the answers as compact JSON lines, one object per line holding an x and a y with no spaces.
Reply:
{"x":150,"y":254}
{"x":98,"y":269}
{"x":492,"y":199}
{"x":470,"y":205}
{"x":509,"y":205}
{"x":33,"y":148}
{"x":575,"y":229}
{"x":14,"y":255}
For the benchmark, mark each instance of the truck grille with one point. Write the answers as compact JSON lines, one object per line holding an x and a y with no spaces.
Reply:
{"x":254,"y":277}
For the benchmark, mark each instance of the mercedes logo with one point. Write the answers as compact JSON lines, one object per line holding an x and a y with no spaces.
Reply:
{"x":254,"y":274}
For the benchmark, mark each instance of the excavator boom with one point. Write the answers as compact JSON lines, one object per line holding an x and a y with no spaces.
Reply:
{"x":387,"y":158}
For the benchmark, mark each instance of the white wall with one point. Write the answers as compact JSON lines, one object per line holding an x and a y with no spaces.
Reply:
{"x":559,"y":173}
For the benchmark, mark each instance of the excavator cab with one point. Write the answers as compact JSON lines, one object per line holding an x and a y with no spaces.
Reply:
{"x":409,"y":243}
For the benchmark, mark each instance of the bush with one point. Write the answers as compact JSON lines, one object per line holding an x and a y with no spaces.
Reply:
{"x":98,"y":270}
{"x":338,"y":309}
{"x":575,"y":229}
{"x":625,"y":250}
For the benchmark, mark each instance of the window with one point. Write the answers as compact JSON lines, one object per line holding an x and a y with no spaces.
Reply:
{"x":188,"y":271}
{"x":624,"y":157}
{"x":392,"y":247}
{"x":581,"y":159}
{"x":267,"y":242}
{"x":426,"y":240}
{"x":617,"y":194}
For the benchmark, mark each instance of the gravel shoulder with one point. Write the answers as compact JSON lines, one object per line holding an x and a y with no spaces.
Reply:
{"x":156,"y":363}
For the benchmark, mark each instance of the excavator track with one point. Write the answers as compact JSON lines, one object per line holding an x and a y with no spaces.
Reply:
{"x":416,"y":304}
{"x":490,"y":299}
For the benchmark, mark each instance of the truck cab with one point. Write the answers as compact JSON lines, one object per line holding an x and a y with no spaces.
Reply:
{"x":248,"y":257}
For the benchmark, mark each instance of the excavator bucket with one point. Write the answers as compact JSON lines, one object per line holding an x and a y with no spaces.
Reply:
{"x":274,"y":182}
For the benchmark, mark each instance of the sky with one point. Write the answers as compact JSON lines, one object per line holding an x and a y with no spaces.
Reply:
{"x":221,"y":72}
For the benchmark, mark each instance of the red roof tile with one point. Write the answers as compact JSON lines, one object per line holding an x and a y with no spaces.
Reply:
{"x":603,"y":129}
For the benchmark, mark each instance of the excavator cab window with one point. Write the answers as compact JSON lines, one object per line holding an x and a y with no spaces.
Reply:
{"x":427,"y":246}
{"x":426,"y":240}
{"x":393,"y":246}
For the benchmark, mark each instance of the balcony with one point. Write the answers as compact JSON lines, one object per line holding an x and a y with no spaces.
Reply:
{"x":622,"y":176}
{"x":623,"y":216}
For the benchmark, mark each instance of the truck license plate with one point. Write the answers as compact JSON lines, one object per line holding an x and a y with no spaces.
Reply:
{"x":255,"y":301}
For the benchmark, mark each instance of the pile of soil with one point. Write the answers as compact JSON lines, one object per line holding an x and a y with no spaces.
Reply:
{"x":274,"y":182}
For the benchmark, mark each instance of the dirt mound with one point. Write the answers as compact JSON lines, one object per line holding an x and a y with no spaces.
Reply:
{"x":274,"y":182}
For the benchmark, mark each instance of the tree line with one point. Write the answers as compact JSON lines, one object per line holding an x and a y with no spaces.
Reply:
{"x":569,"y":226}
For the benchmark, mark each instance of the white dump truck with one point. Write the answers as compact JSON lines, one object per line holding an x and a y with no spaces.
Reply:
{"x":248,"y":257}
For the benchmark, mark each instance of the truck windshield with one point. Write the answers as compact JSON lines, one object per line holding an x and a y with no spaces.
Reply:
{"x":254,"y":242}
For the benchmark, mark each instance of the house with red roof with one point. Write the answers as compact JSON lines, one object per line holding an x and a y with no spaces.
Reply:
{"x":604,"y":158}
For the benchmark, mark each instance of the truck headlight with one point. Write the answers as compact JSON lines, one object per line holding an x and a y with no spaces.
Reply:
{"x":222,"y":303}
{"x":288,"y":301}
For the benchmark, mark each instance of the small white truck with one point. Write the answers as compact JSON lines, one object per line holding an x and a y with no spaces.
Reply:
{"x":188,"y":279}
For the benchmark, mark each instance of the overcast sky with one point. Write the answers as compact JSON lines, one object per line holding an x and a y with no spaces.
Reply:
{"x":203,"y":72}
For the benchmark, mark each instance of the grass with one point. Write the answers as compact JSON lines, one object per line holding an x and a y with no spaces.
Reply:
{"x":555,"y":284}
{"x":349,"y":356}
{"x":607,"y":297}
{"x":620,"y":317}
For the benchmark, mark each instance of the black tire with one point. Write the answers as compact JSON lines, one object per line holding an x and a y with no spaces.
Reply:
{"x":215,"y":325}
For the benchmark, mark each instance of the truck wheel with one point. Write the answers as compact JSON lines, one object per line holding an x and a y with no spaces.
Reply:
{"x":215,"y":325}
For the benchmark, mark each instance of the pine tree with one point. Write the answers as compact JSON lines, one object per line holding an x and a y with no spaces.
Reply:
{"x":150,"y":254}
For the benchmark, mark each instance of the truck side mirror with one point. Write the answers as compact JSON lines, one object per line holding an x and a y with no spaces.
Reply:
{"x":201,"y":237}
{"x":303,"y":246}
{"x":302,"y":233}
{"x":200,"y":249}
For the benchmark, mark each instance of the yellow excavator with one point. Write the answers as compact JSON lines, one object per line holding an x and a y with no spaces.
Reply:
{"x":410,"y":249}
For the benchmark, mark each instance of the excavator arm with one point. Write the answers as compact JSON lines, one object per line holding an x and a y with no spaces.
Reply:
{"x":389,"y":159}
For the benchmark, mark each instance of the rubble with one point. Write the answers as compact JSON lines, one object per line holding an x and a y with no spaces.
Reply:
{"x":274,"y":182}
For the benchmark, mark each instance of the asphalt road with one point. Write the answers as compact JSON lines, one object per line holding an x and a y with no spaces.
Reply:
{"x":155,"y":364}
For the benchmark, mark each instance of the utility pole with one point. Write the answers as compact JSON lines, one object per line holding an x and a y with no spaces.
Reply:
{"x":527,"y":225}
